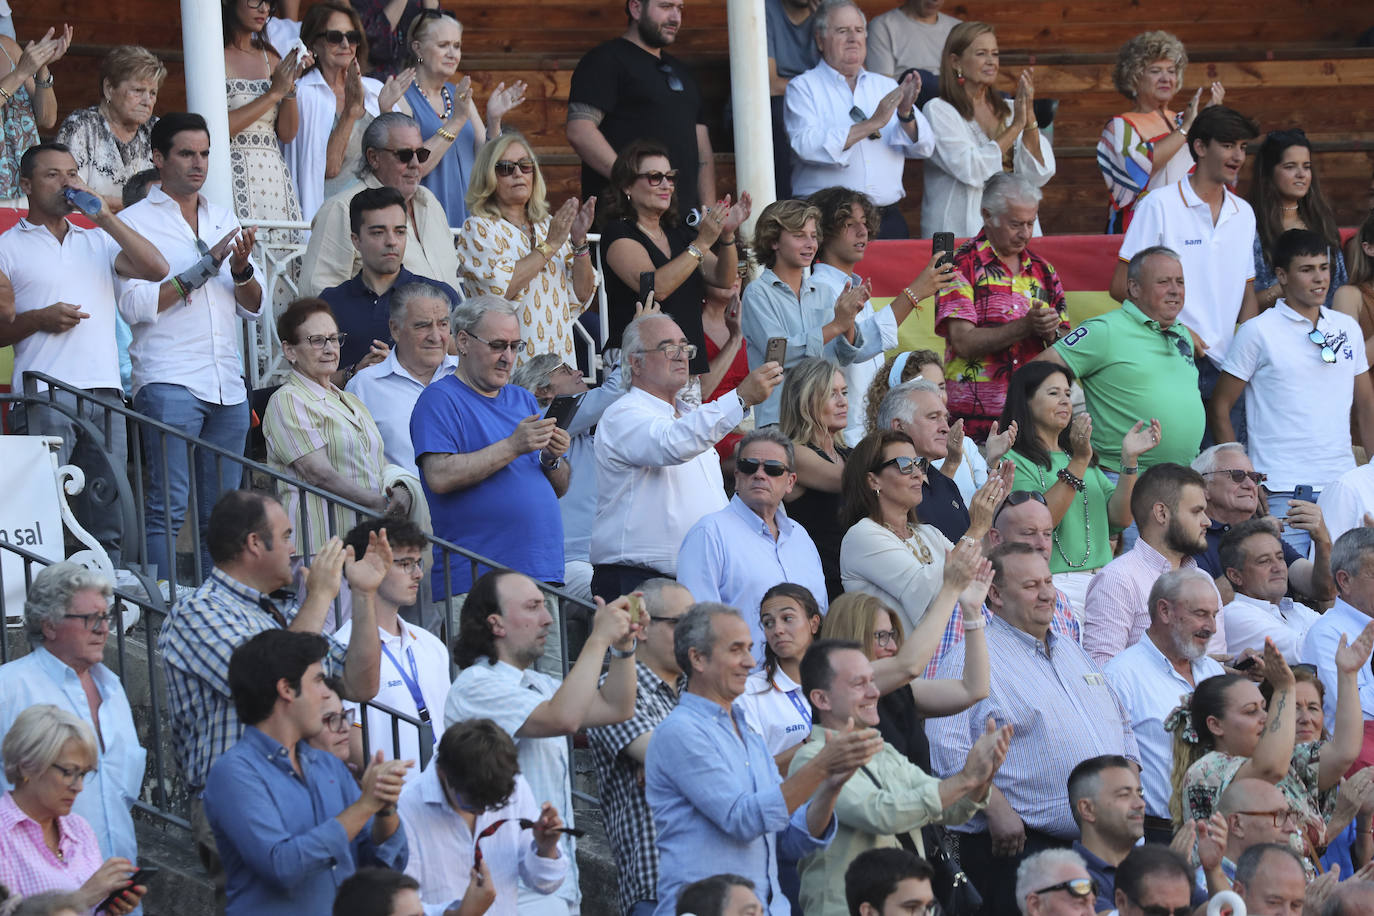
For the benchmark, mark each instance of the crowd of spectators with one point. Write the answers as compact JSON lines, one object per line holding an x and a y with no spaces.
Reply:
{"x":1068,"y":617}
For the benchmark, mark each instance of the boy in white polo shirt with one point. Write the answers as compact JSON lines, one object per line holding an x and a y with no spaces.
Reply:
{"x":1213,"y":232}
{"x":1304,"y":365}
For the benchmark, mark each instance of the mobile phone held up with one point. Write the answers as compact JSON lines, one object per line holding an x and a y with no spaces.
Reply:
{"x":942,"y":247}
{"x":776,"y":350}
{"x":1303,"y":493}
{"x":563,"y":408}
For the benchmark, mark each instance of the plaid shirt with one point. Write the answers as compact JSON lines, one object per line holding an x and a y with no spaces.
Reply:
{"x":28,"y":867}
{"x":1065,"y":623}
{"x":196,"y":640}
{"x":629,"y":823}
{"x":986,"y":295}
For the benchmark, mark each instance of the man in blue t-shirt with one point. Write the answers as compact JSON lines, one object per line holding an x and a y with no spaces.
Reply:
{"x":491,"y":467}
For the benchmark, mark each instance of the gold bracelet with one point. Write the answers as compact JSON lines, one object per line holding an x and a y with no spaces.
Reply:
{"x":695,"y":252}
{"x":448,"y":135}
{"x":6,"y":94}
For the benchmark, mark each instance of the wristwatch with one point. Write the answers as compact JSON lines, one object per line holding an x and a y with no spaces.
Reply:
{"x":557,"y":463}
{"x":909,"y":118}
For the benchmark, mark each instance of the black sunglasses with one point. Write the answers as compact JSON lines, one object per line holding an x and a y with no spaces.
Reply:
{"x":674,"y":84}
{"x":405,"y":155}
{"x":856,"y":114}
{"x":1239,"y":476}
{"x":750,"y":466}
{"x":904,"y":465}
{"x":506,"y":167}
{"x":335,"y":37}
{"x":1017,"y":498}
{"x":1180,"y":345}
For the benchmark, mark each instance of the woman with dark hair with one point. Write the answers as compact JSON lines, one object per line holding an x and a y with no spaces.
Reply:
{"x":773,"y":703}
{"x":1286,"y":194}
{"x":1055,"y":457}
{"x":1356,"y":298}
{"x":642,"y":234}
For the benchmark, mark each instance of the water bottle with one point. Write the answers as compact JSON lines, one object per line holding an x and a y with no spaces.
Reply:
{"x":84,"y":201}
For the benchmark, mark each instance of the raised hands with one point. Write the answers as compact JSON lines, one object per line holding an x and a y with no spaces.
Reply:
{"x":325,"y":574}
{"x":759,"y":384}
{"x":910,"y":87}
{"x":935,"y":278}
{"x":987,"y":753}
{"x":962,"y":563}
{"x":971,"y":599}
{"x":736,"y":214}
{"x":954,"y":442}
{"x":503,"y":99}
{"x":1139,"y":439}
{"x":286,"y":72}
{"x":613,"y":624}
{"x":1350,"y":659}
{"x":983,"y":507}
{"x":47,"y":50}
{"x":1276,"y":670}
{"x":382,"y":782}
{"x":1023,"y":107}
{"x":561,"y":224}
{"x":365,"y":575}
{"x":242,"y":249}
{"x":1081,"y":438}
{"x":582,"y":222}
{"x":846,"y":750}
{"x":850,"y":302}
{"x":392,"y":89}
{"x":999,"y":442}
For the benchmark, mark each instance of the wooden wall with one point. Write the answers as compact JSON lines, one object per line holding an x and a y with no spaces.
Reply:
{"x":1286,"y":63}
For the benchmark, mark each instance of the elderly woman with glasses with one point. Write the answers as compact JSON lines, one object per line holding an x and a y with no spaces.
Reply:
{"x":68,"y":620}
{"x":49,"y":753}
{"x":322,"y":434}
{"x":642,"y":234}
{"x":512,"y":245}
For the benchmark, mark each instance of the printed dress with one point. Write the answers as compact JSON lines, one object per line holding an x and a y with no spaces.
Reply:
{"x":1126,"y":153}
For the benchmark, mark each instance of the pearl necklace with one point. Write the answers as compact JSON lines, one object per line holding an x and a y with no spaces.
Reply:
{"x":444,"y":94}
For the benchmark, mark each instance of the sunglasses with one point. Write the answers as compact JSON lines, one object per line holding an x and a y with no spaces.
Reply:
{"x":750,"y":466}
{"x":1328,"y":347}
{"x":1239,"y":476}
{"x":856,"y":114}
{"x":1018,"y":498}
{"x":1076,"y":887}
{"x":506,"y":168}
{"x":405,"y":155}
{"x":525,"y":824}
{"x":657,"y":178}
{"x":904,"y":465}
{"x":335,"y":37}
{"x":1180,"y":345}
{"x":674,"y":84}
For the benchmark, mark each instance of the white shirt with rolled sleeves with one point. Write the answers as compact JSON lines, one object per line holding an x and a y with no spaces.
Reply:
{"x":79,"y":271}
{"x":1249,"y":620}
{"x":389,"y":392}
{"x":1345,"y":502}
{"x":1218,"y":260}
{"x":816,"y":111}
{"x":1319,"y":648}
{"x":195,"y":343}
{"x":657,"y":474}
{"x":1150,"y":688}
{"x":1297,"y":407}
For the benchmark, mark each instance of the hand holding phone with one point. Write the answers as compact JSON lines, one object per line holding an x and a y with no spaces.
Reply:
{"x":776,"y":350}
{"x":942,"y":247}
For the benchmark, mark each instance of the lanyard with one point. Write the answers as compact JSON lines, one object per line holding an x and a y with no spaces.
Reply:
{"x":412,"y":681}
{"x":803,"y":709}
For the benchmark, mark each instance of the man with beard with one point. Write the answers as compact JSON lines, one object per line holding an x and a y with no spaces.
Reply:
{"x":1170,"y":506}
{"x":1150,"y":677}
{"x":628,"y":89}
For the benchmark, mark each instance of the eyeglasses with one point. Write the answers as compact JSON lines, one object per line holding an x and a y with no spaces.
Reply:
{"x":506,"y":168}
{"x":885,"y":637}
{"x":91,"y":621}
{"x":318,"y":341}
{"x":674,"y":351}
{"x":409,"y":565}
{"x":259,"y":4}
{"x":1239,"y":476}
{"x":750,"y":466}
{"x":525,"y":824}
{"x":499,"y":346}
{"x":1303,"y":668}
{"x":404,"y":156}
{"x":1286,"y":816}
{"x":74,"y":777}
{"x":670,"y":621}
{"x":1076,"y":887}
{"x":904,"y":465}
{"x":657,"y":178}
{"x":674,"y":84}
{"x":352,"y":36}
{"x":339,"y":722}
{"x":1328,"y":346}
{"x":1018,"y":498}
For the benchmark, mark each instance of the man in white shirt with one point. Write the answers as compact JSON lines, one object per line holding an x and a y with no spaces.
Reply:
{"x":187,"y":371}
{"x":737,"y":554}
{"x":852,"y":127}
{"x":389,"y":389}
{"x":1153,"y":675}
{"x":1252,"y":560}
{"x":657,"y":470}
{"x":474,"y":783}
{"x":59,"y":303}
{"x":1352,"y":566}
{"x":1349,"y":501}
{"x":1301,"y":366}
{"x":912,"y":35}
{"x":414,"y":665}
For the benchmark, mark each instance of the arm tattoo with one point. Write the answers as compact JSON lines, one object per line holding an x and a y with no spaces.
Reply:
{"x":581,"y":111}
{"x":1278,"y":711}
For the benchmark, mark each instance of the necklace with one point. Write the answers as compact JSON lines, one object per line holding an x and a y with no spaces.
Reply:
{"x":919,"y":550}
{"x":1087,"y":527}
{"x":656,"y":232}
{"x":444,"y":94}
{"x":1294,"y":207}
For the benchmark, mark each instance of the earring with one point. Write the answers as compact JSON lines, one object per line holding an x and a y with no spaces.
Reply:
{"x":959,"y":76}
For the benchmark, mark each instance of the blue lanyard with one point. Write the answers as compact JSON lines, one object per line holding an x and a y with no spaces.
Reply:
{"x":803,"y":709}
{"x":412,"y":681}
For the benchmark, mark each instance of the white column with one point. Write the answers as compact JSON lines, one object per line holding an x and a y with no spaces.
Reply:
{"x":202,"y":40}
{"x":749,"y":95}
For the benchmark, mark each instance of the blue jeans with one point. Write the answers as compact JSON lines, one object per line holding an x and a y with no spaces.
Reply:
{"x":643,"y":908}
{"x":224,"y":425}
{"x":1207,"y":375}
{"x":1296,"y":538}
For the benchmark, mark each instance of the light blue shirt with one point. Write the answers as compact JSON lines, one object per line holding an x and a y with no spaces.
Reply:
{"x":1319,"y":648}
{"x":578,"y":505}
{"x":730,"y":556}
{"x":716,"y":797}
{"x":41,"y":677}
{"x":389,"y":392}
{"x":771,"y":309}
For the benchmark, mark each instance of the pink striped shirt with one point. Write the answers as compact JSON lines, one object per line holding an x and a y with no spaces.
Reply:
{"x":28,"y":866}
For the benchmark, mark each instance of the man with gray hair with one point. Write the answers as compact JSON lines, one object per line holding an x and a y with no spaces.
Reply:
{"x":1054,"y":882}
{"x":392,"y":153}
{"x":1005,"y":306}
{"x":1272,"y":881}
{"x":418,"y":323}
{"x":1352,"y":566}
{"x":491,"y":466}
{"x":1253,"y":559}
{"x":852,"y":127}
{"x":68,"y":620}
{"x":1135,"y":365}
{"x":657,"y":471}
{"x":1168,"y":662}
{"x":737,"y":554}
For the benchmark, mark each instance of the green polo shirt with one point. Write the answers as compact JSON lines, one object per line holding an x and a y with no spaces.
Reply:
{"x":1131,"y":369}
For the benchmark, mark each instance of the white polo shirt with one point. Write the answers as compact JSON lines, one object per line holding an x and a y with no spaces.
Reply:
{"x":78,"y":270}
{"x":1297,"y":407}
{"x":1249,"y":621}
{"x":1218,"y":260}
{"x":1345,"y":501}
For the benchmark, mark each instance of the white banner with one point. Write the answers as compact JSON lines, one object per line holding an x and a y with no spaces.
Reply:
{"x":29,"y":513}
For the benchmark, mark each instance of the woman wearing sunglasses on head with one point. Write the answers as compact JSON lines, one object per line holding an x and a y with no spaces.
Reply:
{"x":513,"y":246}
{"x":446,"y":111}
{"x":643,"y":234}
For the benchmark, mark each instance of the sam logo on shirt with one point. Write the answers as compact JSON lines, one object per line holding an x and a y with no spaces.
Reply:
{"x":1192,"y":241}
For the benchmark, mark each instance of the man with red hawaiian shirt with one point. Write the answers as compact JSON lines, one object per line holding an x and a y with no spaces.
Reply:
{"x":1005,"y":306}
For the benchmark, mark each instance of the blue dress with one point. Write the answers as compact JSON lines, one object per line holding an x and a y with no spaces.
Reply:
{"x":449,"y":180}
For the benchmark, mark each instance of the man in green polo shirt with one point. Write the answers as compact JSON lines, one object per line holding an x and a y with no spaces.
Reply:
{"x":1135,"y":364}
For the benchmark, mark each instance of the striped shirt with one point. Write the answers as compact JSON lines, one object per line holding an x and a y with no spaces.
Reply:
{"x":1065,"y":623}
{"x":1063,"y":712}
{"x":304,"y":417}
{"x":197,"y":639}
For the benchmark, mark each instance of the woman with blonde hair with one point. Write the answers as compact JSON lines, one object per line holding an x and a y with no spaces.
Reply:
{"x":511,"y":245}
{"x":977,"y":134}
{"x":1146,"y":147}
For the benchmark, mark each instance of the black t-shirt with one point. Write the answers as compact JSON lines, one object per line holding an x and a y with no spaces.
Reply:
{"x":635,"y":91}
{"x":943,"y":506}
{"x":684,"y":305}
{"x":819,"y":513}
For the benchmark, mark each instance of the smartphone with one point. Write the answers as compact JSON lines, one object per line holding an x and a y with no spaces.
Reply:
{"x":140,"y":878}
{"x":776,"y":350}
{"x":942,"y":246}
{"x":636,"y":609}
{"x":563,"y":408}
{"x":646,"y":285}
{"x":1245,"y":664}
{"x":1303,"y":493}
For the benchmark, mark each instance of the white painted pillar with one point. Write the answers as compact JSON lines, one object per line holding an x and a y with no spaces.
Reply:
{"x":749,"y":95}
{"x":202,"y":41}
